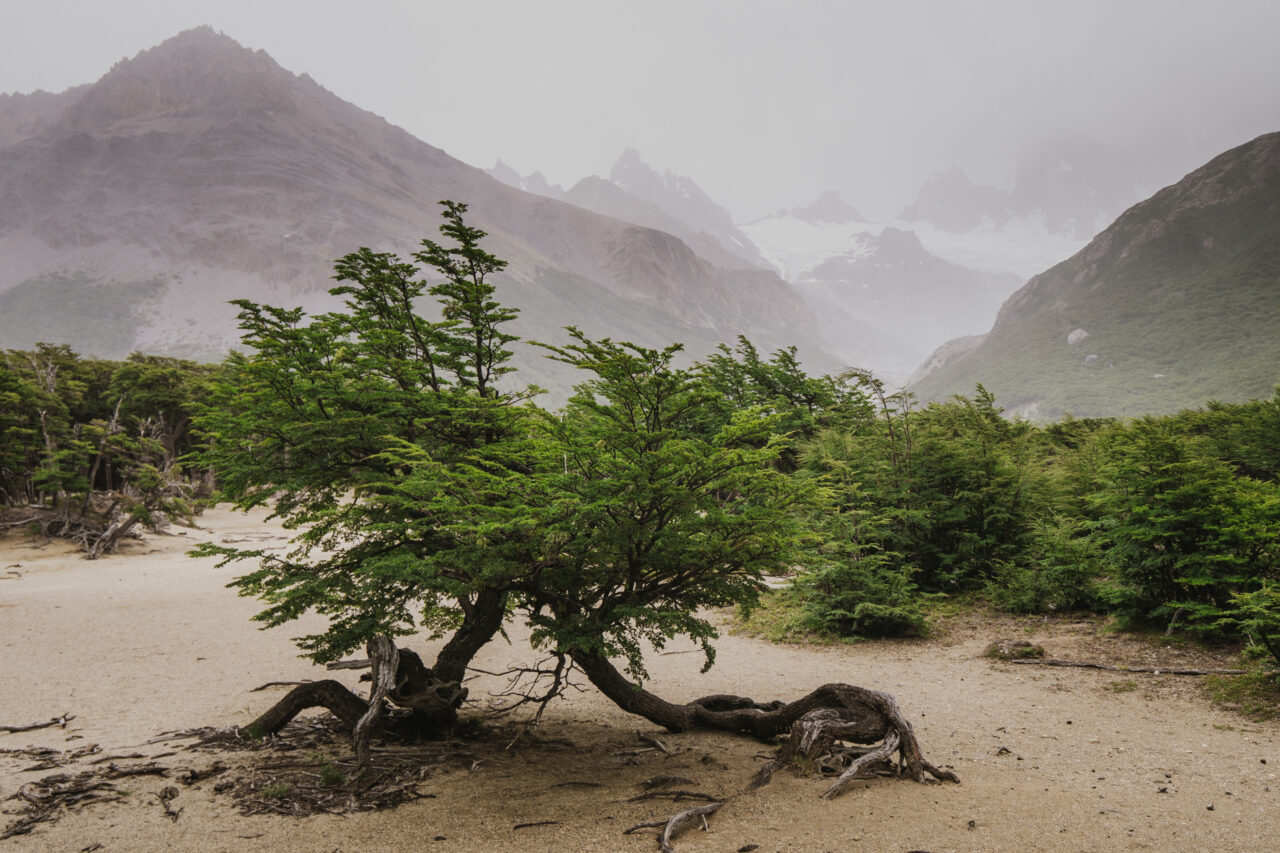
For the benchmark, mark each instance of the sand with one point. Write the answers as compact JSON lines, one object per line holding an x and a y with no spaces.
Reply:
{"x":150,"y":640}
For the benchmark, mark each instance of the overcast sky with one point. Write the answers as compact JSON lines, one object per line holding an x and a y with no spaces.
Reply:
{"x":764,"y":104}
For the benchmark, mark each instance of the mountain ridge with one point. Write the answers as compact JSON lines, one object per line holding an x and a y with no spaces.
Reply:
{"x":229,"y":176}
{"x":1175,"y":303}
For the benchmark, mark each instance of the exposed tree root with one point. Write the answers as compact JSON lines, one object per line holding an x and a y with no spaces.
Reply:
{"x":398,"y":676}
{"x":849,"y":713}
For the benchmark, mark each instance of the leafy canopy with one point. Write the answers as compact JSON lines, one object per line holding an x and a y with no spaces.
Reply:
{"x":425,"y":496}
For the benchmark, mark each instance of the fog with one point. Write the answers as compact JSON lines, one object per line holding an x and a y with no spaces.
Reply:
{"x":764,"y":104}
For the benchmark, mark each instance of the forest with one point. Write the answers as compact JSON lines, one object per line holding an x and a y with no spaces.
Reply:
{"x":428,"y":492}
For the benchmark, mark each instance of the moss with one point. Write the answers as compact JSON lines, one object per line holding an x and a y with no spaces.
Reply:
{"x":1013,"y":650}
{"x":1128,"y":685}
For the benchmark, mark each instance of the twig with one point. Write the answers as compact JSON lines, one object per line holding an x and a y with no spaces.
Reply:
{"x":271,"y":684}
{"x":680,"y":822}
{"x":676,"y":796}
{"x":535,"y":823}
{"x":654,"y":742}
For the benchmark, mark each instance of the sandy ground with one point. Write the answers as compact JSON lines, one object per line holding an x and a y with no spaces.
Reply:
{"x":150,"y":641}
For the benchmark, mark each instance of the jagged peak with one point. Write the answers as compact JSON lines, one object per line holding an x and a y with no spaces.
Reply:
{"x":631,"y":165}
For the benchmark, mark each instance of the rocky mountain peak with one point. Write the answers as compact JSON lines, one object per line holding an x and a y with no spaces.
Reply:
{"x":682,"y":199}
{"x":896,"y":244}
{"x":196,"y":71}
{"x":952,"y":202}
{"x":828,"y":207}
{"x":1176,"y":299}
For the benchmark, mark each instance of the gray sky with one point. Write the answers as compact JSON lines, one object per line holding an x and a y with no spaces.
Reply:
{"x":764,"y":104}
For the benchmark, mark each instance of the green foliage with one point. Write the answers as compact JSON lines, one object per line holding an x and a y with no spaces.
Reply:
{"x":651,"y":518}
{"x":803,"y":404}
{"x":1177,"y":531}
{"x":327,"y":416}
{"x":426,"y":496}
{"x":1058,"y":574}
{"x":95,"y":445}
{"x":1256,"y":614}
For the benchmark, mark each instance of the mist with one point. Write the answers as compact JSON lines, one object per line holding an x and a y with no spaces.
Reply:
{"x":765,"y":104}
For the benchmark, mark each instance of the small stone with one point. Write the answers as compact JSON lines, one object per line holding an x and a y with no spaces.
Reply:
{"x":1209,"y":807}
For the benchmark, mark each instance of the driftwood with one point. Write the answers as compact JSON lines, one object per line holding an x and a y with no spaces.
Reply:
{"x":678,"y":823}
{"x":49,"y":798}
{"x":31,"y":727}
{"x":860,"y":715}
{"x":1157,"y":670}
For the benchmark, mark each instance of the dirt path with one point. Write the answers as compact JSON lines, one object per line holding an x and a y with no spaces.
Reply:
{"x":1051,"y":759}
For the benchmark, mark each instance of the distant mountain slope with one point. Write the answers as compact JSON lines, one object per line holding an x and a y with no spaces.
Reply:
{"x":910,"y":298}
{"x":1176,"y":303}
{"x":200,"y":171}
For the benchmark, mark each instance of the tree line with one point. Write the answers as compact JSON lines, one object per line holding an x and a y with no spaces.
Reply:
{"x":90,"y":448}
{"x":428,"y":492}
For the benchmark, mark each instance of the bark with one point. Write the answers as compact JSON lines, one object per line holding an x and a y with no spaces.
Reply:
{"x":386,"y":661}
{"x":400,"y":678}
{"x":481,"y":620}
{"x":330,"y":694}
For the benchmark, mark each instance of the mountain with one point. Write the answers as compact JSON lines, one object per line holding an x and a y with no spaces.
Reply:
{"x":952,"y":202}
{"x":828,"y":207}
{"x":200,"y":171}
{"x":684,"y":200}
{"x":534,"y":183}
{"x":1176,"y":303}
{"x":911,"y":298}
{"x":1067,"y":186}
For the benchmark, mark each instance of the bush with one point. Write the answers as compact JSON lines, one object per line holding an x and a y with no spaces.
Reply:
{"x":1059,"y":573}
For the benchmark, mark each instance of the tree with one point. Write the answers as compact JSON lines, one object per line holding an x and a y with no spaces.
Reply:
{"x":84,"y":446}
{"x":426,"y":497}
{"x":320,"y":418}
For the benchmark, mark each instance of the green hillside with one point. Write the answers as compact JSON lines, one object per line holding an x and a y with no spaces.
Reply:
{"x":1180,"y":300}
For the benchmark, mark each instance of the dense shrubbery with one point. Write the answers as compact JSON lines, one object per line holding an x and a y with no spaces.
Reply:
{"x":90,"y":448}
{"x":1170,"y":521}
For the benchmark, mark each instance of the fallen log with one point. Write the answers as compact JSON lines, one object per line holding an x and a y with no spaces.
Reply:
{"x":1155,"y":670}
